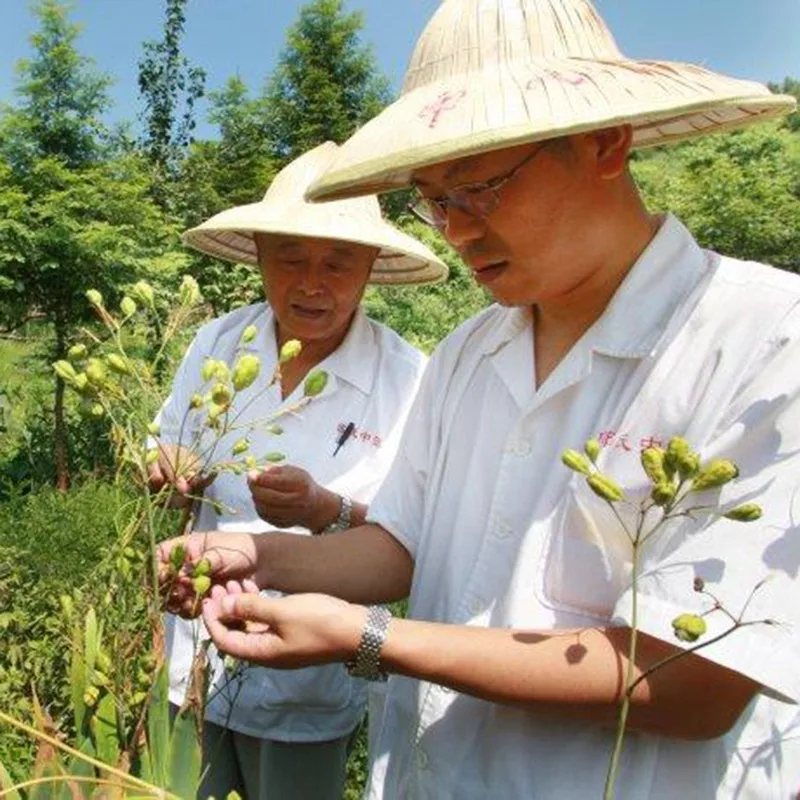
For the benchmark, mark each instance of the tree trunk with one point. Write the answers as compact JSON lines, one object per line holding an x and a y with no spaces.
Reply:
{"x":60,"y":444}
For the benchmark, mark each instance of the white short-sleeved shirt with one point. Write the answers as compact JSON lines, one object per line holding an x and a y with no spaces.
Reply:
{"x":503,"y":535}
{"x":373,"y":377}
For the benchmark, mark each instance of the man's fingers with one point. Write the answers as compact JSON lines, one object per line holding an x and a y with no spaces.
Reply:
{"x":246,"y":607}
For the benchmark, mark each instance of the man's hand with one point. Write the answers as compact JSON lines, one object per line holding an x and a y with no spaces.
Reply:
{"x":286,"y":633}
{"x":221,"y":557}
{"x":286,"y":496}
{"x":177,"y":468}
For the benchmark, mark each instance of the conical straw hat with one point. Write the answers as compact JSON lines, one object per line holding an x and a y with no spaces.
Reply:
{"x":489,"y":74}
{"x":284,"y":210}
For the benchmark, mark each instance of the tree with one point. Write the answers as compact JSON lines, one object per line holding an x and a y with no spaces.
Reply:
{"x":234,"y":170}
{"x":738,"y":193}
{"x":79,"y":214}
{"x":326,"y":82}
{"x":789,"y":86}
{"x":170,"y":87}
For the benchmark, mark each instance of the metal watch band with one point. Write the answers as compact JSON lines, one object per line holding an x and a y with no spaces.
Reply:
{"x":367,"y":662}
{"x":342,"y":522}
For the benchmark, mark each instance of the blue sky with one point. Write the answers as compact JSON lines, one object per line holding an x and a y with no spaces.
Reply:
{"x":758,"y":39}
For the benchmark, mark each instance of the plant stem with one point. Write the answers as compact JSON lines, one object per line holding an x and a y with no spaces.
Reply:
{"x":625,"y":704}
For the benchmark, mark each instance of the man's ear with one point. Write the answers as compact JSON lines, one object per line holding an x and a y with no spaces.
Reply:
{"x":612,"y":148}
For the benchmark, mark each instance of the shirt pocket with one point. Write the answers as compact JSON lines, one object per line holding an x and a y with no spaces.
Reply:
{"x":587,"y":561}
{"x":327,"y":688}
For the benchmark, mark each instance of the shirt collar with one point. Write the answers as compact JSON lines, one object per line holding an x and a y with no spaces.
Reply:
{"x":657,"y":284}
{"x":353,"y":361}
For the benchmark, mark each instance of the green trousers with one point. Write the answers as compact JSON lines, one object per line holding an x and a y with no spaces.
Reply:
{"x":261,"y":769}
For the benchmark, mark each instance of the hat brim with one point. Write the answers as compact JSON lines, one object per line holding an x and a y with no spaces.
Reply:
{"x":476,"y":112}
{"x":402,"y":259}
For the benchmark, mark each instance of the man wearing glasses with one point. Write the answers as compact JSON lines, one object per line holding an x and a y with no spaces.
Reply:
{"x":515,"y":125}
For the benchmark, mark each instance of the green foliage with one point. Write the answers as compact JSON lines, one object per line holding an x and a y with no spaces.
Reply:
{"x":62,"y":96}
{"x":738,"y":193}
{"x":34,"y":648}
{"x":424,"y":315}
{"x":789,"y":86}
{"x":169,"y":86}
{"x":326,"y":82}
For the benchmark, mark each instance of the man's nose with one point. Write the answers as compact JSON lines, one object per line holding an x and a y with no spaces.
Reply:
{"x":311,"y":278}
{"x":462,"y":228}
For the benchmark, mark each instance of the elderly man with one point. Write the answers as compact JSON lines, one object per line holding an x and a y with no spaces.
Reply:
{"x":280,"y":734}
{"x":515,"y":125}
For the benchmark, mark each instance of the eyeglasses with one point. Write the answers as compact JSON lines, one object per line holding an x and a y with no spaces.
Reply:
{"x":476,"y":199}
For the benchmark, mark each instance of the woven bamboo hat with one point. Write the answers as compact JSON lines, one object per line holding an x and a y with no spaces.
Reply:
{"x":490,"y":74}
{"x":230,"y":235}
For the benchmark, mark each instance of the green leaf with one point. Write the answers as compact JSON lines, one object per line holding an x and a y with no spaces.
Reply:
{"x":7,"y":784}
{"x":104,"y":730}
{"x":185,"y":755}
{"x":158,"y":730}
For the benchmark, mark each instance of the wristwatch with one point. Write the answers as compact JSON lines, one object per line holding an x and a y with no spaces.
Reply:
{"x":342,"y":521}
{"x":367,"y":661}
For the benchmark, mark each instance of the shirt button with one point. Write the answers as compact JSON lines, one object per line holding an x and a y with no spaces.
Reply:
{"x":422,"y":758}
{"x":518,"y":447}
{"x":502,"y":531}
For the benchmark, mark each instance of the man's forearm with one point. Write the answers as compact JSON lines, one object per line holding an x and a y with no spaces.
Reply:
{"x":362,"y":565}
{"x":577,"y":674}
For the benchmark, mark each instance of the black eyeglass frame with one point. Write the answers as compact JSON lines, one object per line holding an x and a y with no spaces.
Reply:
{"x":433,"y":210}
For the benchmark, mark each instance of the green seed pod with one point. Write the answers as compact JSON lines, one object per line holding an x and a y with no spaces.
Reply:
{"x":214,"y":413}
{"x":65,"y":371}
{"x":576,"y":462}
{"x":689,"y":466}
{"x":605,"y":487}
{"x":96,"y":372}
{"x":274,"y":457}
{"x":290,"y":350}
{"x":249,"y":333}
{"x":143,"y":292}
{"x":748,"y":512}
{"x":154,"y":429}
{"x":250,"y":462}
{"x":96,"y":411}
{"x":242,"y":446}
{"x":127,"y":306}
{"x":275,"y":430}
{"x":688,"y":627}
{"x":663,"y":493}
{"x":151,"y":456}
{"x":81,"y":384}
{"x":94,"y":297}
{"x":245,"y":371}
{"x":189,"y":292}
{"x":209,"y":369}
{"x":653,"y":465}
{"x":99,"y":678}
{"x":719,"y":472}
{"x":592,"y":449}
{"x":118,"y":364}
{"x":221,"y":394}
{"x":196,"y":401}
{"x":77,"y":352}
{"x":201,"y":585}
{"x":677,"y":448}
{"x":219,"y":509}
{"x":202,"y":567}
{"x":67,"y":605}
{"x":315,"y":383}
{"x":91,"y":696}
{"x":177,"y":556}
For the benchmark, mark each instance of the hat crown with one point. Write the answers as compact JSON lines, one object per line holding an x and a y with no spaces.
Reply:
{"x":472,"y":35}
{"x":288,"y":188}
